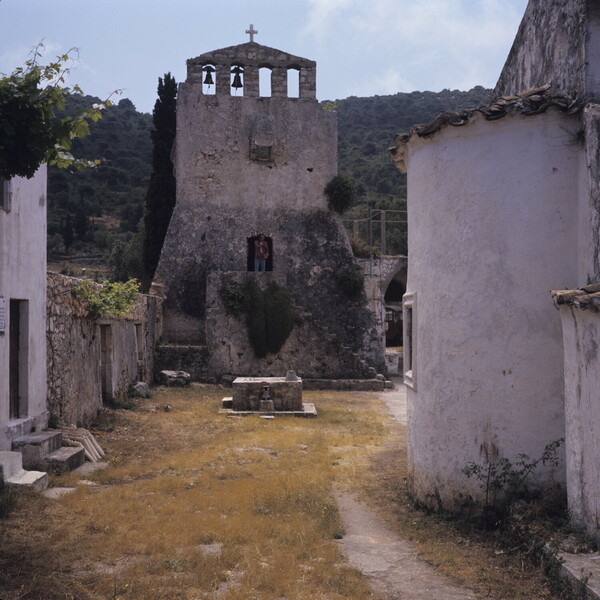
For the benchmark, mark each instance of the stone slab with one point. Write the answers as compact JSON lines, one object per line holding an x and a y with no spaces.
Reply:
{"x":286,"y":395}
{"x":57,"y":492}
{"x":583,"y":572}
{"x":36,"y":480}
{"x":89,"y":467}
{"x":309,"y":410}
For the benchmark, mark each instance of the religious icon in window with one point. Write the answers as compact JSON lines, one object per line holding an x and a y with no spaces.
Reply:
{"x":260,"y":253}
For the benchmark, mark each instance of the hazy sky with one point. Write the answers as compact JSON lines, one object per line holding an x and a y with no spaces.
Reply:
{"x":362,"y":47}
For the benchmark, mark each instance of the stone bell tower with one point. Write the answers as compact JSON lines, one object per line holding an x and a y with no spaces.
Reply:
{"x":253,"y":162}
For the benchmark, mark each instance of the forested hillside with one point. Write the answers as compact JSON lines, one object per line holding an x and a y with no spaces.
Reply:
{"x":93,"y":210}
{"x":367,"y":127}
{"x":85,"y":207}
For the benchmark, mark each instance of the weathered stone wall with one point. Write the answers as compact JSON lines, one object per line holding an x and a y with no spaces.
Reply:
{"x":225,"y":196}
{"x":378,"y":274}
{"x":559,"y":43}
{"x":548,"y":48}
{"x":589,"y":198}
{"x":94,"y":361}
{"x":315,"y":348}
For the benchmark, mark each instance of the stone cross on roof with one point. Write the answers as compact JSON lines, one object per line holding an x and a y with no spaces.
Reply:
{"x":251,"y":32}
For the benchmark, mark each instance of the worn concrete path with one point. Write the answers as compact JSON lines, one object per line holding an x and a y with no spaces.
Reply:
{"x":391,"y":563}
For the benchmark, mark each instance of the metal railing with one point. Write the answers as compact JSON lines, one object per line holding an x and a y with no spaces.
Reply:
{"x":364,"y":229}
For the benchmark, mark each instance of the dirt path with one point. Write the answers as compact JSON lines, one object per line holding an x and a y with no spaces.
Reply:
{"x":391,"y":564}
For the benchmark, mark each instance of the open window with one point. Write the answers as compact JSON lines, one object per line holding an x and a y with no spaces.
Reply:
{"x":410,"y":339}
{"x":293,"y":82}
{"x":264,"y":82}
{"x":5,"y":194}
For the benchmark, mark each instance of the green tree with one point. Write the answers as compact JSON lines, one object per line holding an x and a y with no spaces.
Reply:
{"x":67,"y":233}
{"x":81,"y":223}
{"x":160,"y":199}
{"x":31,"y":133}
{"x":341,"y":193}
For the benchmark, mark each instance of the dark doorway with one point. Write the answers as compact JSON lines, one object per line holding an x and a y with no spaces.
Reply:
{"x":393,"y":311}
{"x":18,"y":358}
{"x":106,"y":362}
{"x":250,"y":253}
{"x":396,"y":289}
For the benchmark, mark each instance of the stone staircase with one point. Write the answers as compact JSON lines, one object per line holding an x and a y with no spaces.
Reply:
{"x":43,"y":450}
{"x":13,"y":475}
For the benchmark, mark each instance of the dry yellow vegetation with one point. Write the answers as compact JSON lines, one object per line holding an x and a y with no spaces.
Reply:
{"x":195,"y":504}
{"x":198,"y":505}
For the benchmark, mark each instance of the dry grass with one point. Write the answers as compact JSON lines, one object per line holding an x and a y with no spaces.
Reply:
{"x":487,"y":562}
{"x":197,"y":505}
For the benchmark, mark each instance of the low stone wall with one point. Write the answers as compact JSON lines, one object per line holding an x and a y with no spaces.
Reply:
{"x":92,"y":362}
{"x":345,"y":385}
{"x":191,"y":359}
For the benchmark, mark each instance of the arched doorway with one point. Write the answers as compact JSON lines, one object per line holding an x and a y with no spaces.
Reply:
{"x":393,"y":309}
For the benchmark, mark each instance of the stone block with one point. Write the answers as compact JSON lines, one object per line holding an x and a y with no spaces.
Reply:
{"x":64,"y":459}
{"x":140,"y":390}
{"x":286,"y":395}
{"x":35,"y":446}
{"x":175,"y":378}
{"x":12,"y":473}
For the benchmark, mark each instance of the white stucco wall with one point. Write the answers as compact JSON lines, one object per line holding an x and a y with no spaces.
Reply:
{"x":492,"y":218}
{"x":23,"y":277}
{"x":581,"y":332}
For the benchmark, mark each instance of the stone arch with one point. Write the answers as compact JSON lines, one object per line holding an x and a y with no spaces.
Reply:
{"x":392,"y":297}
{"x":265,"y":86}
{"x":293,"y":81}
{"x":386,"y":274}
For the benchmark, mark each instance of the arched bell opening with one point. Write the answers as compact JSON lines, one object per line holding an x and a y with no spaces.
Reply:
{"x":393,"y":309}
{"x":293,"y":82}
{"x":208,"y":80}
{"x":254,"y":253}
{"x":236,"y":80}
{"x":264,"y":82}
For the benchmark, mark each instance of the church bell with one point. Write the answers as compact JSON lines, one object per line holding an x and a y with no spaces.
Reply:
{"x":208,"y":80}
{"x":237,"y":80}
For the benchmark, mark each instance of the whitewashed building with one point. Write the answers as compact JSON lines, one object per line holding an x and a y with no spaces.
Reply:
{"x":22,"y":306}
{"x":503,"y":207}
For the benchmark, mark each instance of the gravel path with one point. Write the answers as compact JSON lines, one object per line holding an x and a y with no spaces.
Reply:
{"x":391,"y":563}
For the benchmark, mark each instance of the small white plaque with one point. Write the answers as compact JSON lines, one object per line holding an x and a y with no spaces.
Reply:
{"x":2,"y":315}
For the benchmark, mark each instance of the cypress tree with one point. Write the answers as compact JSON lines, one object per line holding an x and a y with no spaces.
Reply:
{"x":160,"y":198}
